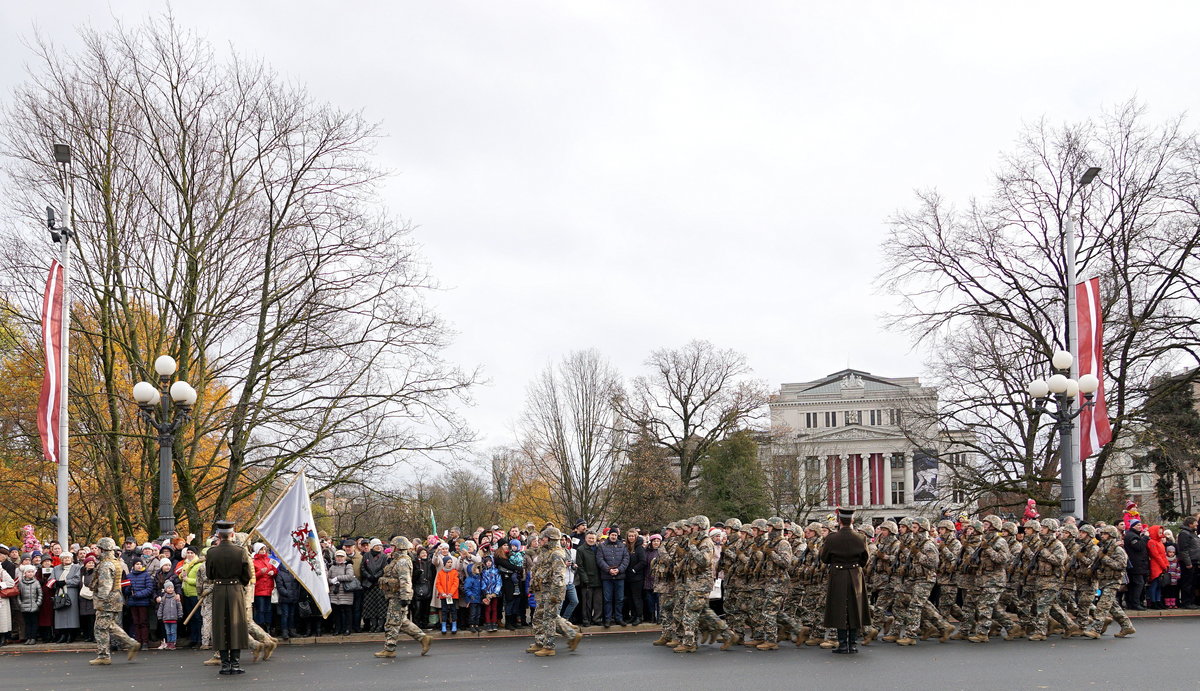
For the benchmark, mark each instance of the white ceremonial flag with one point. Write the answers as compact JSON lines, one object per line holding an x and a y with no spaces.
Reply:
{"x":291,"y":532}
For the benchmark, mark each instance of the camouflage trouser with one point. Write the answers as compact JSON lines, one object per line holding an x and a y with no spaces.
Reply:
{"x":1045,"y":606}
{"x":987,"y":601}
{"x":969,"y":621}
{"x":1107,"y":606}
{"x":108,"y":626}
{"x":885,"y":599}
{"x":206,"y":622}
{"x":813,"y":615}
{"x":948,"y":601}
{"x":697,"y":614}
{"x":916,"y":608}
{"x":1067,"y":597}
{"x":398,"y":623}
{"x":1019,"y":605}
{"x":258,"y":637}
{"x":546,"y":619}
{"x":666,"y":612}
{"x":1085,"y":609}
{"x":766,"y":616}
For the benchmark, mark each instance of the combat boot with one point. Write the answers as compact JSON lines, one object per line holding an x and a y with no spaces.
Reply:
{"x":681,"y":648}
{"x":268,"y":648}
{"x":1074,"y":630}
{"x":673,"y":643}
{"x":1090,"y":634}
{"x":546,"y":652}
{"x":1125,"y":631}
{"x":213,"y":661}
{"x":890,"y":638}
{"x":979,"y":638}
{"x":944,"y":634}
{"x":426,"y":641}
{"x":574,"y":642}
{"x":386,"y":653}
{"x":843,"y":647}
{"x":959,"y":635}
{"x":927,"y":631}
{"x":225,"y":666}
{"x":1107,"y":621}
{"x":133,"y":651}
{"x":1014,"y":632}
{"x":731,"y":639}
{"x":869,"y":635}
{"x":534,"y":648}
{"x":662,"y":640}
{"x":906,"y":641}
{"x":235,"y":662}
{"x":752,"y":643}
{"x":1054,"y":627}
{"x":100,"y":661}
{"x":767,"y":645}
{"x":802,"y":635}
{"x":828,"y":644}
{"x":1037,"y":637}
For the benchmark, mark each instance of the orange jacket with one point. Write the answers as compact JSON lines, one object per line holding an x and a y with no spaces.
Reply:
{"x":446,"y":583}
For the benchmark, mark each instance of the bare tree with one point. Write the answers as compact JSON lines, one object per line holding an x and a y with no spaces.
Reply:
{"x":569,"y":432}
{"x":693,"y":397}
{"x":228,"y":219}
{"x":984,"y":285}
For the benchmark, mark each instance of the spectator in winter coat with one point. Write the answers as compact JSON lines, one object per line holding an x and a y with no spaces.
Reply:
{"x":1158,"y":564}
{"x":445,"y":586}
{"x":170,"y":612}
{"x":635,"y":576}
{"x":1139,"y":564}
{"x":612,"y":558}
{"x":1188,"y":549}
{"x":492,"y":598}
{"x":649,"y":595}
{"x":473,"y":591}
{"x":138,"y":597}
{"x":590,"y":590}
{"x":29,"y":601}
{"x":287,"y":591}
{"x":264,"y":585}
{"x":341,"y":574}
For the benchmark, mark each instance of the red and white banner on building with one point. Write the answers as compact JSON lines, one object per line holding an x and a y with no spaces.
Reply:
{"x":50,"y":402}
{"x":1094,"y":428}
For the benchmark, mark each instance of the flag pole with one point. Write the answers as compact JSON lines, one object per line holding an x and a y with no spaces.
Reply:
{"x":62,"y":156}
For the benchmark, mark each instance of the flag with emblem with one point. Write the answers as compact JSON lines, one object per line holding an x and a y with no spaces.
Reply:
{"x":291,"y":532}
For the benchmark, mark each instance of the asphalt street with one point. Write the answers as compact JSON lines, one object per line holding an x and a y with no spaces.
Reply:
{"x":1157,"y":658}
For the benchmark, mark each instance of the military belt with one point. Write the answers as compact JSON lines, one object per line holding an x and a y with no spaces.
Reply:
{"x":844,"y":566}
{"x":227,"y":581}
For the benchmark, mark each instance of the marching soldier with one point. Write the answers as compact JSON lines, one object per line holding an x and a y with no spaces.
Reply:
{"x":549,"y":581}
{"x":695,"y":573}
{"x":813,"y":605}
{"x":664,"y":585}
{"x":754,"y":582}
{"x":948,"y":578}
{"x":1110,"y":568}
{"x":922,"y":563}
{"x":109,"y":602}
{"x":879,"y":578}
{"x":229,"y":570}
{"x":1016,"y":579}
{"x":846,"y":608}
{"x":773,"y":579}
{"x":1084,"y":579}
{"x":1047,"y":561}
{"x":991,"y":559}
{"x":396,"y":583}
{"x":968,"y":570}
{"x":733,"y":585}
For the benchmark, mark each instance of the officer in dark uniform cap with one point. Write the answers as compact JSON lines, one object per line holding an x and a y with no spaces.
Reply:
{"x":228,"y":569}
{"x":846,"y":606}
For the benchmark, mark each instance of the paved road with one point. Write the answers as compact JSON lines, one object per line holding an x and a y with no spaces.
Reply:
{"x":1153,"y":659}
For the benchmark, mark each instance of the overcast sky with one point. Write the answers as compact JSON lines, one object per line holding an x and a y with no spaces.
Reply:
{"x":633,"y":175}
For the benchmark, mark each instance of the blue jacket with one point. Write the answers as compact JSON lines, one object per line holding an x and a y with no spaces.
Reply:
{"x":612,"y":555}
{"x":141,"y":589}
{"x":491,"y":581}
{"x":473,"y":587}
{"x":286,"y":586}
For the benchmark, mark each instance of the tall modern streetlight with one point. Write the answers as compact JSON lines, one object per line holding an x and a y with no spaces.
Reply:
{"x":154,"y":403}
{"x":1063,"y":384}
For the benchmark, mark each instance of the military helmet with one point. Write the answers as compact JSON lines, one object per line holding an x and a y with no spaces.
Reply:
{"x":1070,"y":530}
{"x":995,"y":520}
{"x":775,"y":522}
{"x":1088,"y":529}
{"x":701,"y":522}
{"x":906,"y":521}
{"x":923,"y":523}
{"x":1033,"y":523}
{"x":746,"y":528}
{"x":947,"y":524}
{"x":890,"y":526}
{"x":107,"y":544}
{"x":401,"y":542}
{"x":551,"y":533}
{"x":733,"y":523}
{"x":814,"y":526}
{"x":761,"y":524}
{"x":977,"y":525}
{"x":1111,"y":531}
{"x":1051,"y":523}
{"x":867,"y":530}
{"x":1009,"y":527}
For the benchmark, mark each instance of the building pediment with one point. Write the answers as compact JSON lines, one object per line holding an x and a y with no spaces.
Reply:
{"x":854,"y":433}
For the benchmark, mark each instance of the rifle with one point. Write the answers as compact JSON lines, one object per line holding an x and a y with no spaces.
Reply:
{"x":1040,"y":545}
{"x":1099,"y":561}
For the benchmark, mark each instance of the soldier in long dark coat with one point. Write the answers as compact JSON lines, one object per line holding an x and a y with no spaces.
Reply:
{"x":846,"y":606}
{"x":228,"y":569}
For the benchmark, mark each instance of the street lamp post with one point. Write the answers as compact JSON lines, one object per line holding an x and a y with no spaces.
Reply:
{"x":1064,"y":390}
{"x":155,"y":404}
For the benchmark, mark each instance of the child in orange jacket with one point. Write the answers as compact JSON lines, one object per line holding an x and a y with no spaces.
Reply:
{"x":446,"y":587}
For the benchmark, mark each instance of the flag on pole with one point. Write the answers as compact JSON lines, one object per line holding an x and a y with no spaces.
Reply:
{"x":1094,"y":428}
{"x":291,"y":532}
{"x":50,"y":401}
{"x":432,"y":522}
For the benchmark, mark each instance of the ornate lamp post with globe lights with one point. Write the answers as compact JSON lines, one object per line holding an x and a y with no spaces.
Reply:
{"x":1064,"y":391}
{"x":154,"y":404}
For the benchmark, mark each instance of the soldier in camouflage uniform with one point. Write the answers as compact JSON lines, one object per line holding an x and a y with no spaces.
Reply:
{"x":812,"y":606}
{"x":991,"y":577}
{"x":1012,"y":597}
{"x":694,"y":572}
{"x":901,"y":581}
{"x":1110,"y":568}
{"x":548,"y":580}
{"x":733,"y":583}
{"x":396,"y":584}
{"x":109,"y":602}
{"x":879,"y":579}
{"x":664,"y":585}
{"x":772,"y":575}
{"x":950,"y":549}
{"x":967,"y":571}
{"x":1048,"y":561}
{"x":1083,"y":573}
{"x":921,"y":570}
{"x":789,"y":620}
{"x":752,"y":580}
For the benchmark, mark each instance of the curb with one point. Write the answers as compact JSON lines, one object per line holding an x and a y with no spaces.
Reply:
{"x":503,"y":634}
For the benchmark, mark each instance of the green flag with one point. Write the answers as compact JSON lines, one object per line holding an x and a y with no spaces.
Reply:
{"x":432,"y":521}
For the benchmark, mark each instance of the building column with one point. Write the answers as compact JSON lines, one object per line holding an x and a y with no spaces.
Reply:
{"x":908,"y":478}
{"x":887,"y":477}
{"x":864,"y":467}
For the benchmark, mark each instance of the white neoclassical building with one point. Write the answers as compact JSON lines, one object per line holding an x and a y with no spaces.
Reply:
{"x":848,"y":439}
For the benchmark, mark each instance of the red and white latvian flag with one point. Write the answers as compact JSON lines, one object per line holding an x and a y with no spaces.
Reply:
{"x":50,"y":402}
{"x":291,"y":532}
{"x":1094,"y":428}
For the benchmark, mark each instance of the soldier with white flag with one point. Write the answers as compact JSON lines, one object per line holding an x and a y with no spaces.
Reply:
{"x":291,"y":532}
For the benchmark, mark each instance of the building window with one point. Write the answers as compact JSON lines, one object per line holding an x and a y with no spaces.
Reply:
{"x":876,"y":417}
{"x":1136,"y":482}
{"x":831,"y":419}
{"x":810,"y":420}
{"x":853,"y":417}
{"x":898,"y":462}
{"x":894,"y":417}
{"x":897,"y":492}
